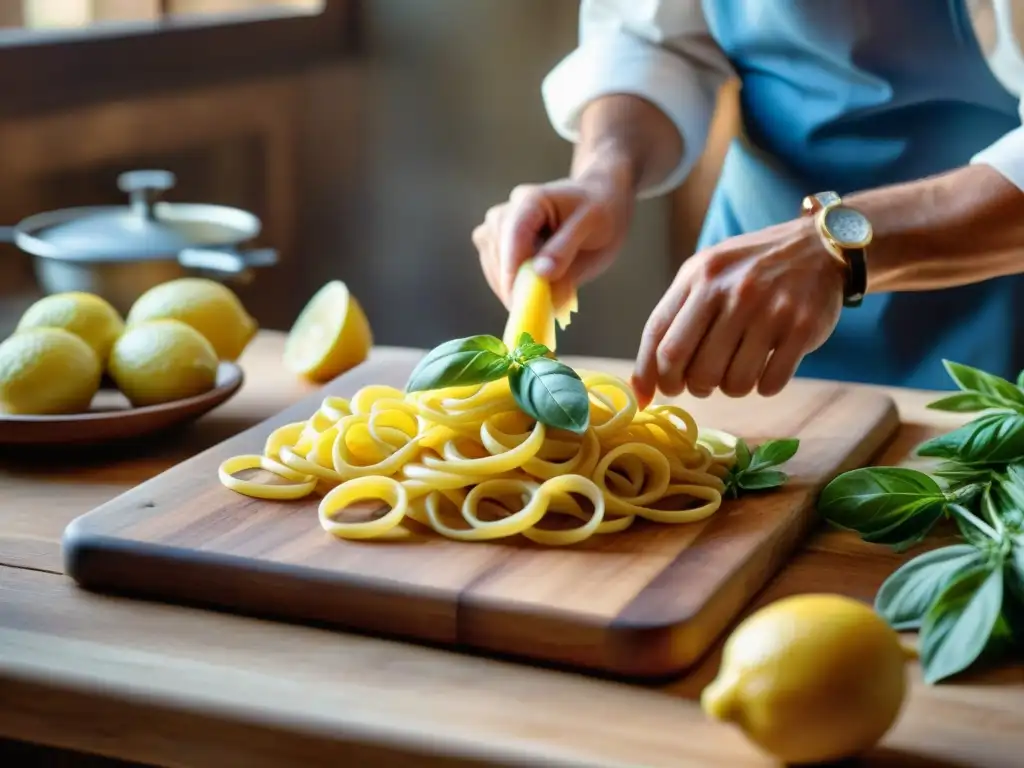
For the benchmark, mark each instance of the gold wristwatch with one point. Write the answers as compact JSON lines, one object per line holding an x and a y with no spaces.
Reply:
{"x":846,"y":233}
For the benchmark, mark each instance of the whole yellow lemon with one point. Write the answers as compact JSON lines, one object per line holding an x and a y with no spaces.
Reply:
{"x":811,"y":678}
{"x":162,"y":360}
{"x":45,"y":371}
{"x":86,"y":315}
{"x":210,"y":307}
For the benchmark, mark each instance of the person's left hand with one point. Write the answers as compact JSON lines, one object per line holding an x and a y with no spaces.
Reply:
{"x":741,"y":315}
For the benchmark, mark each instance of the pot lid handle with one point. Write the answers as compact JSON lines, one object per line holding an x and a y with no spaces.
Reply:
{"x":144,"y":188}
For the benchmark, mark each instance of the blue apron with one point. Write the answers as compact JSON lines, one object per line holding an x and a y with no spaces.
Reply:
{"x":847,"y":95}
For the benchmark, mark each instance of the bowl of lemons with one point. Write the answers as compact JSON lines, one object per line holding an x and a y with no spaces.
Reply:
{"x":76,"y":372}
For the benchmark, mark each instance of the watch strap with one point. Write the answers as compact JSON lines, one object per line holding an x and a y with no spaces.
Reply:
{"x":856,"y":284}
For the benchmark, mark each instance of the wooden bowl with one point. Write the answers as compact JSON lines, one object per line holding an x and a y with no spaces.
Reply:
{"x":111,"y":417}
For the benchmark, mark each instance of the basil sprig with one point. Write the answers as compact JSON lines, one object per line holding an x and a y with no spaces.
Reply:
{"x":755,"y":471}
{"x":553,"y":394}
{"x":544,"y":388}
{"x":966,"y":599}
{"x":979,"y":391}
{"x":997,"y":435}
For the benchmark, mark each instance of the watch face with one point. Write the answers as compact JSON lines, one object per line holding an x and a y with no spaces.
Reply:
{"x":848,"y":227}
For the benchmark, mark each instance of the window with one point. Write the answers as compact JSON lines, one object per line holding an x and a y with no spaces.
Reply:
{"x":55,"y":52}
{"x":79,"y":14}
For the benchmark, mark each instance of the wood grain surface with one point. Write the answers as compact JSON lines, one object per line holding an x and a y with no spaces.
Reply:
{"x":644,"y":603}
{"x":167,"y":685}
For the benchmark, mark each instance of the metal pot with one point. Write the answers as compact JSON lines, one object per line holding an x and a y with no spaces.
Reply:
{"x":119,"y":252}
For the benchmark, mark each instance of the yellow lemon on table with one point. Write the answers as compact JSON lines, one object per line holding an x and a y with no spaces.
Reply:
{"x":45,"y":371}
{"x":811,"y":678}
{"x":330,"y":335}
{"x":86,"y":315}
{"x":211,"y":308}
{"x":162,"y":360}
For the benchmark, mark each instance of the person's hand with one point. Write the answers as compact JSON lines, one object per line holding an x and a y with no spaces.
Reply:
{"x":741,"y":315}
{"x":571,"y":228}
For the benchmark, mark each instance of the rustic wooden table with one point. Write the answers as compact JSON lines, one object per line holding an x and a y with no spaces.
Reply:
{"x":175,"y":686}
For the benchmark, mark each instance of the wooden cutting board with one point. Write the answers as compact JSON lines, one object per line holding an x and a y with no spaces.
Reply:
{"x":644,"y":603}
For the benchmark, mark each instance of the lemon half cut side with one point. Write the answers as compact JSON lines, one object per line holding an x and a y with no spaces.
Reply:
{"x":330,"y":335}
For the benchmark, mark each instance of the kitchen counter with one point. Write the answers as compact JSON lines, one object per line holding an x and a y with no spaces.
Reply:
{"x":177,"y":686}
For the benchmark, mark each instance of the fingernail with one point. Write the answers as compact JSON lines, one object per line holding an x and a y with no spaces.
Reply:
{"x":544,"y":265}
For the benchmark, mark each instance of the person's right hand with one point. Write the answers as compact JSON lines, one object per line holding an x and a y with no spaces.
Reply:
{"x":571,"y":228}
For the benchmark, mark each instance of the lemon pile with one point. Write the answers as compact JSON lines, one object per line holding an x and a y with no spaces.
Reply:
{"x":168,"y":348}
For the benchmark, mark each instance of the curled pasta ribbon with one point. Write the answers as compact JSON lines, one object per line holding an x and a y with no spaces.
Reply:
{"x":721,"y":445}
{"x":286,"y":436}
{"x":617,"y":411}
{"x":495,"y":464}
{"x":334,"y":409}
{"x":301,"y":485}
{"x":442,"y":459}
{"x":386,"y":489}
{"x":656,"y":488}
{"x":565,"y":485}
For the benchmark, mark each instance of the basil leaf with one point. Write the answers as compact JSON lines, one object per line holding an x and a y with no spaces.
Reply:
{"x":461,"y":362}
{"x":905,"y":597}
{"x":1004,"y":499}
{"x":528,"y":352}
{"x":742,"y":455}
{"x":774,"y":452}
{"x":960,"y":622}
{"x":1020,"y":379}
{"x":885,"y":505}
{"x":761,"y":480}
{"x":527,"y":349}
{"x":1016,"y":560}
{"x":959,"y":475}
{"x":965,"y":402}
{"x":1012,"y":483}
{"x":991,"y":439}
{"x":1015,"y":472}
{"x":905,"y":533}
{"x":972,"y":535}
{"x":994,"y":387}
{"x":552,"y":393}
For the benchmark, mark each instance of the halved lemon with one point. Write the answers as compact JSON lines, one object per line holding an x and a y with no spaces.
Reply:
{"x":330,"y":335}
{"x":533,"y":309}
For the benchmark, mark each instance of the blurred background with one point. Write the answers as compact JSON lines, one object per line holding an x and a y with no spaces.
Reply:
{"x":369,"y":136}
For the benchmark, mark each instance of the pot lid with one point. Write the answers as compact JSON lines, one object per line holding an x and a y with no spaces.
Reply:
{"x":143,"y":228}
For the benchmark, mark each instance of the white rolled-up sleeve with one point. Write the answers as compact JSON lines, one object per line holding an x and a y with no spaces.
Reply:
{"x":659,"y":50}
{"x":1006,"y":154}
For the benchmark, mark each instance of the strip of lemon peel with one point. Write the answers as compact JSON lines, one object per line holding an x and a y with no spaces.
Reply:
{"x":533,"y":310}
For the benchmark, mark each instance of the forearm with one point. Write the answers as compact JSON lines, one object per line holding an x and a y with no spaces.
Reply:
{"x":960,"y":227}
{"x":627,"y":135}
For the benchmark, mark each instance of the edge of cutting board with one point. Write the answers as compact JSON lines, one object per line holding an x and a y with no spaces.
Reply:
{"x":97,"y":561}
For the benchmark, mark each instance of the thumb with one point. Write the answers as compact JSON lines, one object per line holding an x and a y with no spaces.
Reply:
{"x":557,"y":255}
